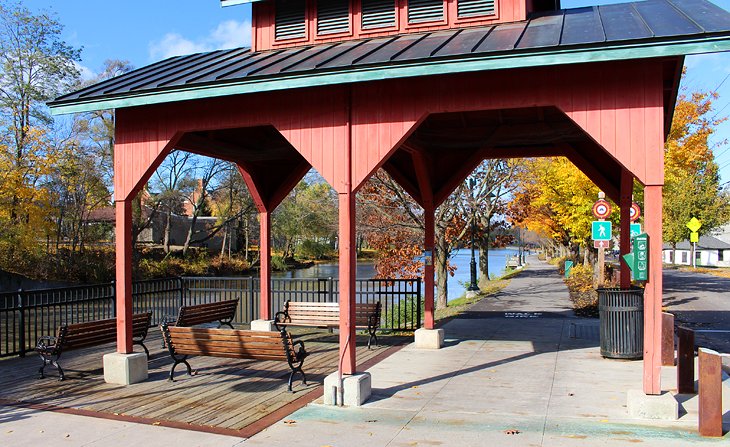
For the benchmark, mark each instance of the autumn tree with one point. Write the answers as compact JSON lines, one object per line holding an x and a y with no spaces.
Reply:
{"x":692,"y":180}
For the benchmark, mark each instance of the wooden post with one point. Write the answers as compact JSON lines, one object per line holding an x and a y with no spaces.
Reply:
{"x":627,"y":189}
{"x":347,"y":282}
{"x":428,"y":270}
{"x":124,"y":275}
{"x":601,"y":266}
{"x":685,"y":361}
{"x":653,"y":291}
{"x":265,"y":265}
{"x":710,"y":393}
{"x":667,"y":339}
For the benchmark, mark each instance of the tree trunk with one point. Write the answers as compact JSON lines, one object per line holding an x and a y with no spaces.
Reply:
{"x":483,"y":266}
{"x":442,"y":272}
{"x":223,"y":245}
{"x":166,"y":240}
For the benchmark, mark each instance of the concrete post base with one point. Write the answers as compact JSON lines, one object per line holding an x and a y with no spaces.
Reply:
{"x":263,"y":325}
{"x":125,"y":369}
{"x":356,"y":389}
{"x":471,"y":294}
{"x":643,"y":406}
{"x":429,"y":338}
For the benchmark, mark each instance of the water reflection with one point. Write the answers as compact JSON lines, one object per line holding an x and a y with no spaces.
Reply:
{"x":456,"y":284}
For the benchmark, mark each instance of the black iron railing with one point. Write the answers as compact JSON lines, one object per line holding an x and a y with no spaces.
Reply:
{"x":27,"y":315}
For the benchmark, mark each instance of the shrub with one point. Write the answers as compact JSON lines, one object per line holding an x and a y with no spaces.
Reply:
{"x":310,"y":249}
{"x":582,"y":291}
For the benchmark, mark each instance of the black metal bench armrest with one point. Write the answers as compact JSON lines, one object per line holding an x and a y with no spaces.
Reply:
{"x":169,"y":319}
{"x":280,"y":318}
{"x":47,"y":344}
{"x":301,"y":353}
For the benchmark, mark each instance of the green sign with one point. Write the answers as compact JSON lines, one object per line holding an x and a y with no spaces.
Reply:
{"x":694,"y":225}
{"x":601,"y":230}
{"x":638,"y":260}
{"x":635,"y":230}
{"x":568,"y":266}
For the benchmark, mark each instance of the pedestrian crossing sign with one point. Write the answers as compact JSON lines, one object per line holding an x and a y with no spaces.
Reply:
{"x":601,"y":230}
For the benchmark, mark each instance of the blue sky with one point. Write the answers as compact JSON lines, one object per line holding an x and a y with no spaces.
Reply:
{"x":145,"y":31}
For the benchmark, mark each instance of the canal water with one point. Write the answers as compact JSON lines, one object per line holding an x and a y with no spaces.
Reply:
{"x":457,"y":284}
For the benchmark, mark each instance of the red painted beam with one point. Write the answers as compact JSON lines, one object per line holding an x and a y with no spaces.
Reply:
{"x":653,"y":291}
{"x":124,"y":276}
{"x":627,"y":190}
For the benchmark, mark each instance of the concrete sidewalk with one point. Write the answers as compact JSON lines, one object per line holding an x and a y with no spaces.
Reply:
{"x":517,"y":369}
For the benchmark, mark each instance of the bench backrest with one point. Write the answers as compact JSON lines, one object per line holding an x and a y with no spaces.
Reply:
{"x":91,"y":333}
{"x":230,"y":343}
{"x":329,"y":313}
{"x":305,"y":312}
{"x":207,"y":313}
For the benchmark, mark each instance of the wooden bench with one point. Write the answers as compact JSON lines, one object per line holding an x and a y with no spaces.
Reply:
{"x":295,"y":313}
{"x":221,"y":311}
{"x":238,"y":344}
{"x":90,"y":333}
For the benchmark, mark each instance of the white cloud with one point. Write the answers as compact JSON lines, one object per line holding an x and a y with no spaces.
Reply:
{"x":87,"y":73}
{"x":228,"y":34}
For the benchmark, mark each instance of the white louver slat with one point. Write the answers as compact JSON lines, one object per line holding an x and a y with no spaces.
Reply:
{"x":333,"y":16}
{"x":470,"y":8}
{"x":290,"y":19}
{"x":425,"y":10}
{"x":378,"y":13}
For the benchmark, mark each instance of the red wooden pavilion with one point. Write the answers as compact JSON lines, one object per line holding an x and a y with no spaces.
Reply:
{"x":425,"y":89}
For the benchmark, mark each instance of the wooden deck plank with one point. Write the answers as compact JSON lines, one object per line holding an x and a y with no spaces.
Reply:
{"x":226,"y":393}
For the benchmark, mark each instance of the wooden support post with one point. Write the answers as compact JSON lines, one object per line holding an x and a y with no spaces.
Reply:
{"x":710,"y":393}
{"x":347,"y":282}
{"x":124,"y":275}
{"x":667,"y":339}
{"x":265,"y":265}
{"x":685,"y":361}
{"x":653,"y":291}
{"x":626,"y":194}
{"x":428,"y":270}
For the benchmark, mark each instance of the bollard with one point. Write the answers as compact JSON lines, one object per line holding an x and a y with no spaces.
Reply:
{"x":710,"y":393}
{"x":667,"y":339}
{"x":685,"y":361}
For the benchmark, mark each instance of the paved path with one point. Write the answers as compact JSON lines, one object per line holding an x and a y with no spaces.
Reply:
{"x":699,"y":300}
{"x":517,"y":370}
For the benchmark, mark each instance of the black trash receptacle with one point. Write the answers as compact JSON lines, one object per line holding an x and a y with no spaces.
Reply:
{"x":622,"y":322}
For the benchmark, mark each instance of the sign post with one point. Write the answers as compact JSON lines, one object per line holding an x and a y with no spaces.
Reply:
{"x":601,"y":232}
{"x":694,"y":226}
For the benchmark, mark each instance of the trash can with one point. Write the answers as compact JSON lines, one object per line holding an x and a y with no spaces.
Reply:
{"x":621,"y":314}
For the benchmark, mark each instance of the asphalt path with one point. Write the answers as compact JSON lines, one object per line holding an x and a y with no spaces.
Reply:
{"x":699,"y":301}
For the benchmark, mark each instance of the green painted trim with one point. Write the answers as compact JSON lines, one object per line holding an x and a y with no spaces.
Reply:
{"x":225,"y":3}
{"x":420,"y":68}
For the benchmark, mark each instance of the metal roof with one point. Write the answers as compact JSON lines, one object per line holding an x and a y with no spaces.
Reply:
{"x":651,"y":28}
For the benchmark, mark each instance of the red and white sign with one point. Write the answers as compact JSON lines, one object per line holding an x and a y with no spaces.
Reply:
{"x":601,"y":209}
{"x":634,"y":212}
{"x":601,"y":244}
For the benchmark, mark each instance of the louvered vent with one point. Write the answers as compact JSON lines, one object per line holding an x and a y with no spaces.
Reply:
{"x":471,"y":8}
{"x":290,"y":19}
{"x":333,"y":16}
{"x":378,"y":13}
{"x":425,"y":11}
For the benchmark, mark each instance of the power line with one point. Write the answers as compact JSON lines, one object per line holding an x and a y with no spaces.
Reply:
{"x":723,"y":81}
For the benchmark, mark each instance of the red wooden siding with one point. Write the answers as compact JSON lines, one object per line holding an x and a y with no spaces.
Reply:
{"x":619,"y":105}
{"x":263,"y":22}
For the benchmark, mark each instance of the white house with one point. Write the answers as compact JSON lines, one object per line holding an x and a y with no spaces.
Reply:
{"x":711,"y":252}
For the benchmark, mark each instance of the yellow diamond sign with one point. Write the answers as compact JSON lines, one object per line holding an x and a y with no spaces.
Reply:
{"x":694,"y":225}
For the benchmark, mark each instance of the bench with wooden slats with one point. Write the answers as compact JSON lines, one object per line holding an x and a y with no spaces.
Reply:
{"x":295,"y":313}
{"x":221,"y":311}
{"x":183,"y":342}
{"x":90,"y":333}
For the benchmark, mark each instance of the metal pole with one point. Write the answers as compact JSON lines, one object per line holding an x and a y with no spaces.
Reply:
{"x":473,"y":287}
{"x":21,"y":323}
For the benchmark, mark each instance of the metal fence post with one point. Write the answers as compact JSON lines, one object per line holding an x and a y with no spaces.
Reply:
{"x":251,"y":299}
{"x":331,"y":290}
{"x":181,"y":286}
{"x":418,"y":305}
{"x":114,"y":298}
{"x":21,"y":323}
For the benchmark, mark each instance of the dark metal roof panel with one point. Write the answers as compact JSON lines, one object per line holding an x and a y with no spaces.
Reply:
{"x":709,"y":16}
{"x":623,"y":22}
{"x":592,"y":28}
{"x":581,"y":26}
{"x":543,"y":31}
{"x":664,"y":19}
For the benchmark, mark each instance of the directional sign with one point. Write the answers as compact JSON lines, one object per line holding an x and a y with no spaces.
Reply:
{"x":638,"y":260}
{"x":634,"y":212}
{"x":694,"y":225}
{"x":601,"y":244}
{"x":601,"y":209}
{"x":635,"y":230}
{"x":601,"y":230}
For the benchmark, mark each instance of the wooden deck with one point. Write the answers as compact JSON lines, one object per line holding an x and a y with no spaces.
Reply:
{"x":226,"y":395}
